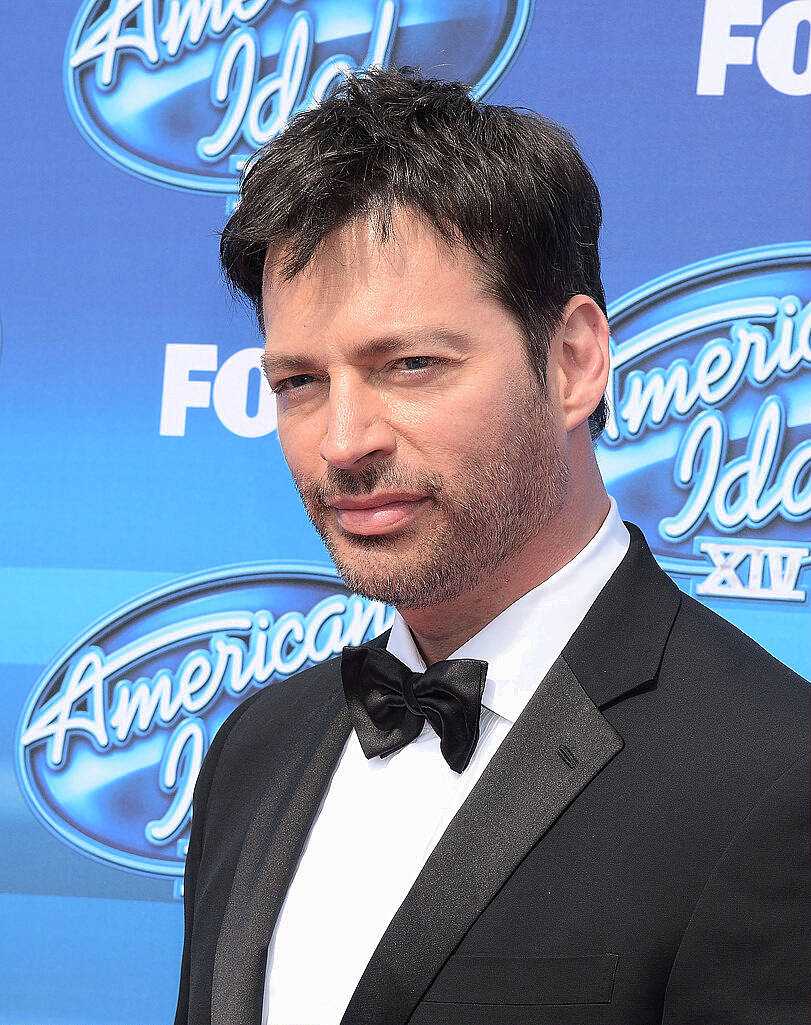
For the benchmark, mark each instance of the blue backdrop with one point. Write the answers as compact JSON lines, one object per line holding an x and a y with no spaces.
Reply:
{"x":156,"y":563}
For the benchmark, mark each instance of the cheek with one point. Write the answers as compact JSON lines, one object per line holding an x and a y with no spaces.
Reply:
{"x":434,"y":435}
{"x":299,"y":443}
{"x":451,"y":444}
{"x":447,"y":419}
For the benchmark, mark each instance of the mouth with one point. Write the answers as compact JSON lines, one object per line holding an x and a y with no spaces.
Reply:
{"x":378,"y":514}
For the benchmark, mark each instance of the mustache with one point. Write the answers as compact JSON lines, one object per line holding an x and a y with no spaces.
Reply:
{"x":338,"y":483}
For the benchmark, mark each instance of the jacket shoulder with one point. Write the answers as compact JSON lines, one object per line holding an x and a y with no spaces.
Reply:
{"x":721,"y":644}
{"x":727,"y":677}
{"x":282,"y":705}
{"x":288,"y":702}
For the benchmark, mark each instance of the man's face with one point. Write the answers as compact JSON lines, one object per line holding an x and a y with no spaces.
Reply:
{"x":415,"y":429}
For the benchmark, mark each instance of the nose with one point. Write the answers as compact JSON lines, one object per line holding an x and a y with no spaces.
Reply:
{"x":356,"y":429}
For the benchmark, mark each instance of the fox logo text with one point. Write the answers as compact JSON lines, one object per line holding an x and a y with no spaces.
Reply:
{"x":193,"y":378}
{"x":739,"y":32}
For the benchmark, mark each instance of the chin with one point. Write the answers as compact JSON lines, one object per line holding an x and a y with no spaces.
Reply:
{"x":369,"y":557}
{"x":375,"y":566}
{"x":426,"y":579}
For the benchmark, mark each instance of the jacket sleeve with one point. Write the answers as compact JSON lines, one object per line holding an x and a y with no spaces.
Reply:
{"x":743,"y":959}
{"x":194,"y":854}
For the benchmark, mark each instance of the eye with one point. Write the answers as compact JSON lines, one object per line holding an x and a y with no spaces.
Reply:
{"x":417,"y":362}
{"x":292,"y":383}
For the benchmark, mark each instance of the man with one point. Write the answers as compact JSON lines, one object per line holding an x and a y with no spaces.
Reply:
{"x":589,"y":808}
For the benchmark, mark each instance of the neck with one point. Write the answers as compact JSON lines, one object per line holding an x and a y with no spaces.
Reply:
{"x":439,"y":630}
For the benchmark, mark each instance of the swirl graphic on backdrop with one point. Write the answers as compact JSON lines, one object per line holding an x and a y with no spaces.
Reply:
{"x":183,"y":91}
{"x":708,"y":440}
{"x":111,"y":740}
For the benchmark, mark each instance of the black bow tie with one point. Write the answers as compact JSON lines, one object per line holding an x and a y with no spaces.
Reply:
{"x":389,"y":704}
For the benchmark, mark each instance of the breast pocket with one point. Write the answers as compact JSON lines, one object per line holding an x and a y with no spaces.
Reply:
{"x":524,"y":981}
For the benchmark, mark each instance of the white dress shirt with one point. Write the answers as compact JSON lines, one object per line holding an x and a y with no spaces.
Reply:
{"x":380,"y":818}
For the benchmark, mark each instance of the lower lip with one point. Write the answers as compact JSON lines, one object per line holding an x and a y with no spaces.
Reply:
{"x":382,"y":519}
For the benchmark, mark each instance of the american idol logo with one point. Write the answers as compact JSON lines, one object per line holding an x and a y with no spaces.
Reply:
{"x":708,"y":441}
{"x":182,"y":91}
{"x":111,"y":740}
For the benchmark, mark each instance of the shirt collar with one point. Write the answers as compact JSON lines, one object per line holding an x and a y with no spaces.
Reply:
{"x":523,"y":641}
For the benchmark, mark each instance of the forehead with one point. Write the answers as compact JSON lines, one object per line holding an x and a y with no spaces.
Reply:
{"x":358,"y":281}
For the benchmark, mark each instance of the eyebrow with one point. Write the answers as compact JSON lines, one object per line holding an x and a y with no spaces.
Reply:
{"x":281,"y":363}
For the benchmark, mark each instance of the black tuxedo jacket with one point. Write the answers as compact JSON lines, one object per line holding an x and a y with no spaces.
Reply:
{"x":634,"y":853}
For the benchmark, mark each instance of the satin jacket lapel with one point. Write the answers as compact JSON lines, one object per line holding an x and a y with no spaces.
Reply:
{"x":268,"y":859}
{"x":524,"y":788}
{"x":557,"y":745}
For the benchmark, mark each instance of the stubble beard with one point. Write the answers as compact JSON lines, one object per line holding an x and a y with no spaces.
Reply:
{"x":499,"y":500}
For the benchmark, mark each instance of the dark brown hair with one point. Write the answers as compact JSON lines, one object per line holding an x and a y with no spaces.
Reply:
{"x":509,"y":185}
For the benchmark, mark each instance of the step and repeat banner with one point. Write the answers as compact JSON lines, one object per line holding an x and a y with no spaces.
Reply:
{"x":157,"y":566}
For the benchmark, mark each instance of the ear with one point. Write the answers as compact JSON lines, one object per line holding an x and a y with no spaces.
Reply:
{"x":578,"y":363}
